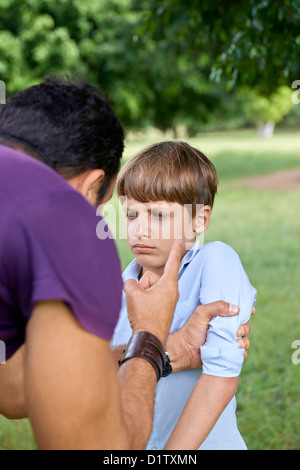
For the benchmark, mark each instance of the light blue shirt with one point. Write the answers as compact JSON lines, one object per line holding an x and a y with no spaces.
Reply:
{"x":207,"y":273}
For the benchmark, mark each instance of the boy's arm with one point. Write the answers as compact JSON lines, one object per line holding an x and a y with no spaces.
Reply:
{"x":184,"y":344}
{"x":209,"y":398}
{"x":222,"y":277}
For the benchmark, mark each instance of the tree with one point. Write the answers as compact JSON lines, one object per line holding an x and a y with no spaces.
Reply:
{"x":254,"y":43}
{"x":87,"y":39}
{"x":264,"y":111}
{"x":161,"y":62}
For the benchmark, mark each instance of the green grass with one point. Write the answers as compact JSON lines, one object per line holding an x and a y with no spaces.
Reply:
{"x":263,"y":226}
{"x":16,"y":435}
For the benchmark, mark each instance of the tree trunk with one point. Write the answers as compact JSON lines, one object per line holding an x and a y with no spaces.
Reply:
{"x":265,"y":129}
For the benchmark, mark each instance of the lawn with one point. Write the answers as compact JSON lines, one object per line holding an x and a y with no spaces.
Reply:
{"x":263,"y":226}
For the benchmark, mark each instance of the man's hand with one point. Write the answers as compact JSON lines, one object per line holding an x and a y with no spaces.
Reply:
{"x":151,"y":302}
{"x":183,"y":345}
{"x":242,"y":333}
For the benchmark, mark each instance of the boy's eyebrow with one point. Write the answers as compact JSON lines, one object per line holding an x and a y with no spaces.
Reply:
{"x":133,"y":209}
{"x":150,"y":209}
{"x":162,"y":207}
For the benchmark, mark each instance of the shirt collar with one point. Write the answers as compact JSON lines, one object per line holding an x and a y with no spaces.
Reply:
{"x":132,"y":271}
{"x":190,"y":255}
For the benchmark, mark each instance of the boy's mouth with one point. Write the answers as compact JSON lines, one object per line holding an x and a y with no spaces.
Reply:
{"x":141,"y":248}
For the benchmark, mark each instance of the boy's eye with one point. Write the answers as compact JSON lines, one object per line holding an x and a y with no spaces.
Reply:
{"x":157,"y":215}
{"x":131,"y":215}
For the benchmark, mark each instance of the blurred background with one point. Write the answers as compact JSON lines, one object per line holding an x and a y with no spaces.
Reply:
{"x":223,"y":76}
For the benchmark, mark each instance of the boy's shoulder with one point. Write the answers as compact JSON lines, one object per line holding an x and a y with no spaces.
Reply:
{"x":222,"y":262}
{"x":217,"y":248}
{"x":216,"y":254}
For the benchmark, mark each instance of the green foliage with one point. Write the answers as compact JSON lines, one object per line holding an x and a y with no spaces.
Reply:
{"x":35,"y":42}
{"x":162,"y":63}
{"x":250,"y":42}
{"x":90,"y":40}
{"x":267,"y":108}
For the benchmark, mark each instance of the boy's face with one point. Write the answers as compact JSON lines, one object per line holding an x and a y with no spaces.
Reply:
{"x":153,"y":226}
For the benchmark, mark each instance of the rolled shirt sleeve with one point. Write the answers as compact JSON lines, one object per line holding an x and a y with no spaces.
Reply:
{"x":224,"y":278}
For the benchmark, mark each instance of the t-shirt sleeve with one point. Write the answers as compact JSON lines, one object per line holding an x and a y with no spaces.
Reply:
{"x":68,"y":262}
{"x":224,"y":278}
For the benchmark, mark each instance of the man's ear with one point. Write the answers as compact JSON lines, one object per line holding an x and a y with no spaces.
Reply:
{"x":202,"y":219}
{"x":91,"y":184}
{"x":88,"y":184}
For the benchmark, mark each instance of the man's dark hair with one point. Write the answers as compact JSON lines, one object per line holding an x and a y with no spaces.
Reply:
{"x":69,"y":126}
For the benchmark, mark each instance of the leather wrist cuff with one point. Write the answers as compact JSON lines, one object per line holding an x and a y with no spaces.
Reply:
{"x":168,"y":367}
{"x":146,"y":346}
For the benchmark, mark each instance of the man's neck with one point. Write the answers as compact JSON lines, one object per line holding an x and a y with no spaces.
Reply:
{"x":19,"y":146}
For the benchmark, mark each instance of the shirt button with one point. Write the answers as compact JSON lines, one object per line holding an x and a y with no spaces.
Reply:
{"x":153,"y":448}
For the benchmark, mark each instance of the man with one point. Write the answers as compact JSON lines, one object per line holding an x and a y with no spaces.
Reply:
{"x":60,"y":286}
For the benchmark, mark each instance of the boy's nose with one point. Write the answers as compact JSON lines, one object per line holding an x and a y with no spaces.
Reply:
{"x":138,"y":228}
{"x":142,"y":228}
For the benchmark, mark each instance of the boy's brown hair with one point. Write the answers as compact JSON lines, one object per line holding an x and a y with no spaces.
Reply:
{"x":170,"y":171}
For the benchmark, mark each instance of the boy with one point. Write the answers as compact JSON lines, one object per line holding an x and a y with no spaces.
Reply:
{"x":169,"y":190}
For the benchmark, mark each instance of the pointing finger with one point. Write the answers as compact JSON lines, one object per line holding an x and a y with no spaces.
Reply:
{"x":173,"y":262}
{"x":148,"y":280}
{"x":129,"y":286}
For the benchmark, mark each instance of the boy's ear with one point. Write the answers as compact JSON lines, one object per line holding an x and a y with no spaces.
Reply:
{"x":202,"y":219}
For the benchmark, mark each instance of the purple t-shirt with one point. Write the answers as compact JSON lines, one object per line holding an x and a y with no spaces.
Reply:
{"x":49,"y":250}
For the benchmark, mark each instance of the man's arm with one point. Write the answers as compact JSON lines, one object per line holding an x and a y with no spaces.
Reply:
{"x":183,"y":353}
{"x":12,"y":398}
{"x":73,"y":393}
{"x":184,"y":344}
{"x":72,"y":390}
{"x":71,"y":387}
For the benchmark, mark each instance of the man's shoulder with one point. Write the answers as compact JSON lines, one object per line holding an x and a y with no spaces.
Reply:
{"x":15,"y":162}
{"x":25,"y":183}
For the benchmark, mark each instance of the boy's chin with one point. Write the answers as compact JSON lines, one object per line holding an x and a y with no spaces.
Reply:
{"x":148,"y":262}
